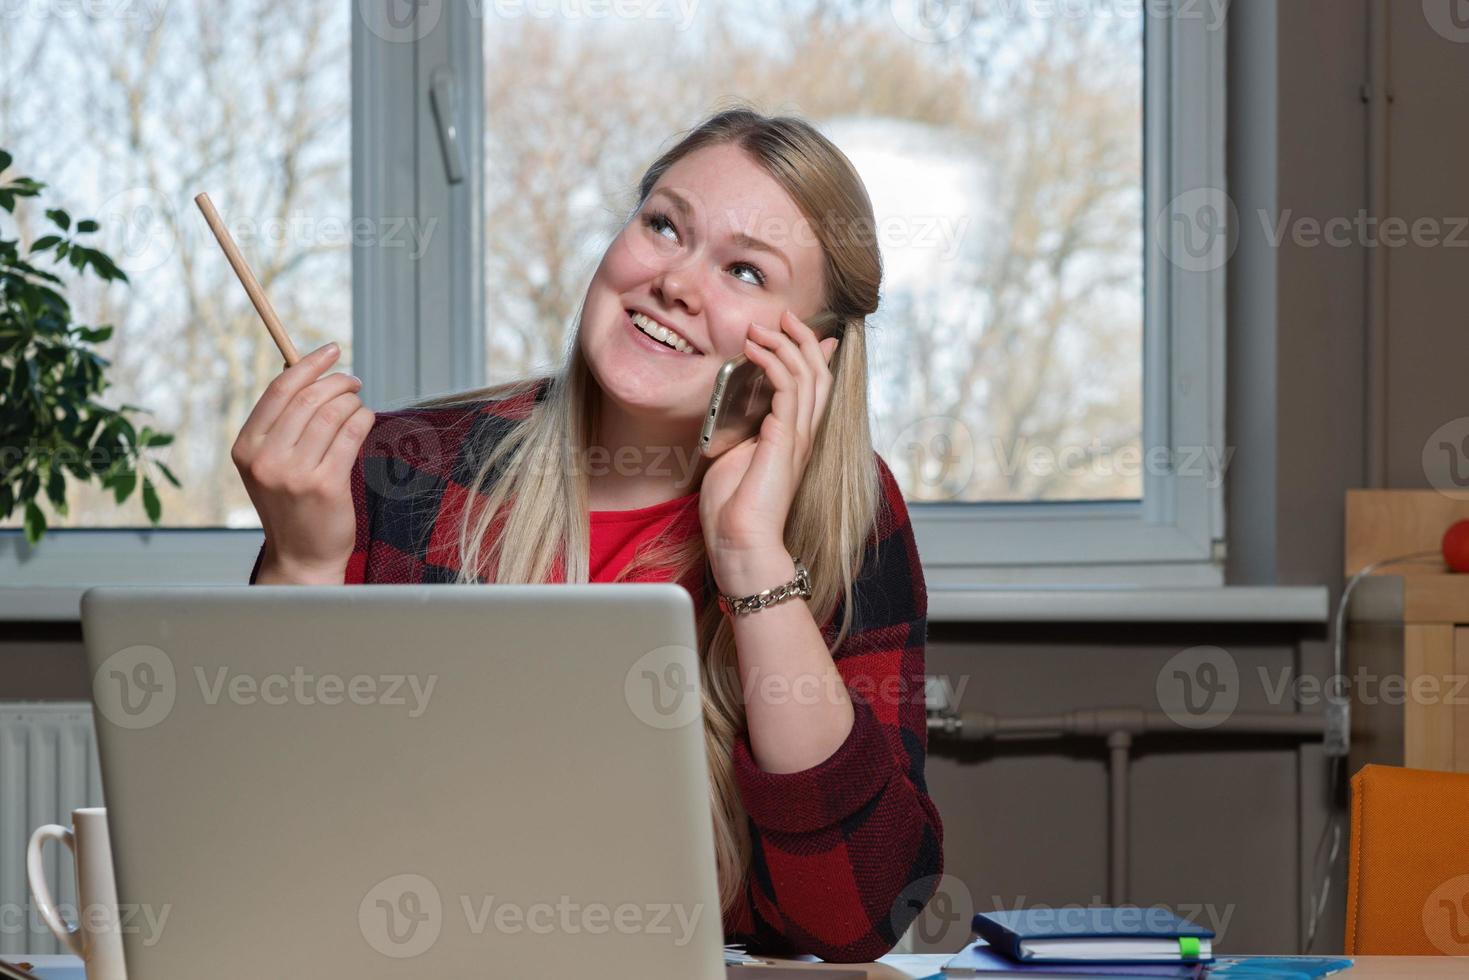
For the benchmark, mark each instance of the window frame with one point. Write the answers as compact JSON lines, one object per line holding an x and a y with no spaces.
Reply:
{"x":1174,"y":536}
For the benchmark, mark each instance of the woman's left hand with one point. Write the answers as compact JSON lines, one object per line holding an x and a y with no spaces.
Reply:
{"x":747,"y":491}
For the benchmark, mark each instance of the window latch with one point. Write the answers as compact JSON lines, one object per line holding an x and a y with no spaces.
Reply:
{"x":444,"y":96}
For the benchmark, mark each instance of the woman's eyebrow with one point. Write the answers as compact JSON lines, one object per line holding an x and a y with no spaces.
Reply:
{"x":741,"y":239}
{"x":745,"y":241}
{"x":679,"y":201}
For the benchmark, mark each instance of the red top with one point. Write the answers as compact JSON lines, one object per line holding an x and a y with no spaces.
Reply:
{"x":617,"y":534}
{"x":845,"y":853}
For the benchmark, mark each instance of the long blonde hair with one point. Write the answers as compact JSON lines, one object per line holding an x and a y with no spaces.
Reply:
{"x":544,"y":523}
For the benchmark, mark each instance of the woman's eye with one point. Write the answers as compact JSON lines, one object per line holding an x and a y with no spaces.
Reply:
{"x":657,"y":221}
{"x":759,"y":276}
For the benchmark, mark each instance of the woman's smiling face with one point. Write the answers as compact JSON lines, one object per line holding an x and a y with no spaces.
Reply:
{"x":691,"y":259}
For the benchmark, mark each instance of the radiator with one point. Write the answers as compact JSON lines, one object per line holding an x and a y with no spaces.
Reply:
{"x":48,"y":768}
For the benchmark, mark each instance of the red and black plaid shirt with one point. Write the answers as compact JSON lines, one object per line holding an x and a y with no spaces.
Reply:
{"x":846,"y":853}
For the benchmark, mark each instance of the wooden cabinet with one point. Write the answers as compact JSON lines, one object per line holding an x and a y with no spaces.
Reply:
{"x":1407,"y":652}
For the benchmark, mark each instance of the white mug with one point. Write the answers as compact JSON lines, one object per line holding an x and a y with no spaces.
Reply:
{"x":97,"y":936}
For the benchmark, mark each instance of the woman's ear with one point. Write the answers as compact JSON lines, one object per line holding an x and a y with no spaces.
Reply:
{"x":829,"y":347}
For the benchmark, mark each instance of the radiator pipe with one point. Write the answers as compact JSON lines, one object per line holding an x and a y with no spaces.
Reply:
{"x":981,"y":726}
{"x":1119,"y":726}
{"x":1120,"y":745}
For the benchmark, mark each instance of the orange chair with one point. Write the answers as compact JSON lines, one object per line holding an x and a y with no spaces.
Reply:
{"x":1408,"y":876}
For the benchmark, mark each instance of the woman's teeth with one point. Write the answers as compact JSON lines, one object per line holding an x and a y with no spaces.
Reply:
{"x":660,"y":334}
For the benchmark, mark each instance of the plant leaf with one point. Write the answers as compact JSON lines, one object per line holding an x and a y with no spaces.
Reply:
{"x":123,"y":484}
{"x":150,"y":501}
{"x":35,"y":523}
{"x":60,"y":217}
{"x":24,"y":187}
{"x":56,"y":491}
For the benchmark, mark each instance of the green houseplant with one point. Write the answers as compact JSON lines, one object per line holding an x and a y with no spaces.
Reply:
{"x":50,"y":424}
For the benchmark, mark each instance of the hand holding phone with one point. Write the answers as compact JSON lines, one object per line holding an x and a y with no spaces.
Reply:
{"x":741,"y":398}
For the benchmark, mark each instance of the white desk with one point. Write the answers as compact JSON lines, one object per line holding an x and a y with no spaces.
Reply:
{"x":905,"y":966}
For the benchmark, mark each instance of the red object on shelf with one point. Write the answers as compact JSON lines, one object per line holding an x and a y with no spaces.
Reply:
{"x":1456,"y":546}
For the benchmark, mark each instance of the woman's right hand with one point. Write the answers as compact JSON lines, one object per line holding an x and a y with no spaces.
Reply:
{"x":295,"y":454}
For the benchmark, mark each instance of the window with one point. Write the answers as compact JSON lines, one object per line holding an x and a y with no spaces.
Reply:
{"x":126,"y":111}
{"x":1005,"y":167}
{"x":1046,"y":382}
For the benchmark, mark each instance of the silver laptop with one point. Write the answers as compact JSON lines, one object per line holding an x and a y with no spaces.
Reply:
{"x":406,"y":781}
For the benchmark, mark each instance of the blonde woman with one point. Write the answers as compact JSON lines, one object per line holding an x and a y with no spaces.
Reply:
{"x":747,"y":230}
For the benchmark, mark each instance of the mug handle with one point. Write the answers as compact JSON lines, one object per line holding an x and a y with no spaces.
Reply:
{"x":69,"y":935}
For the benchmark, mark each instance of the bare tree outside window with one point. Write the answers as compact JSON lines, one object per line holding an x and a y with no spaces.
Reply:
{"x":127,"y":112}
{"x":1003,"y":155}
{"x":1004,"y":160}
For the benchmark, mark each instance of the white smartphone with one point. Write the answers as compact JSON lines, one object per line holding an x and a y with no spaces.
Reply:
{"x":741,"y":398}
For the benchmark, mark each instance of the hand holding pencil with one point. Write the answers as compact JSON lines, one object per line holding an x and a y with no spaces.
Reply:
{"x":297,"y":449}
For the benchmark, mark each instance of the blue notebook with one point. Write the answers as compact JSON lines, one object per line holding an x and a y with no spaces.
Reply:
{"x":982,"y":960}
{"x":1276,"y":967}
{"x":1123,"y":934}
